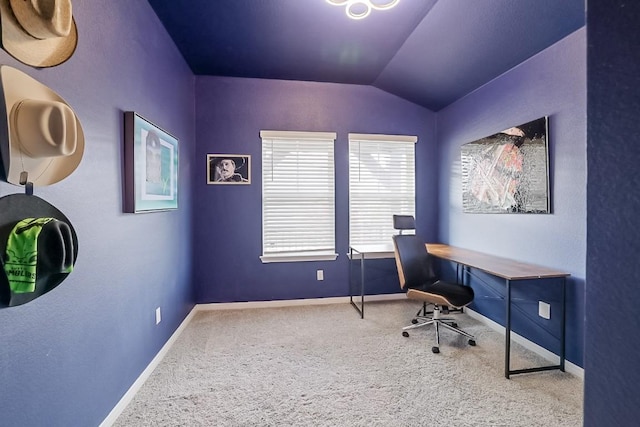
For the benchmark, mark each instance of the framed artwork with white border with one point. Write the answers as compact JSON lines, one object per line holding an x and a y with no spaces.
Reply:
{"x":151,"y":166}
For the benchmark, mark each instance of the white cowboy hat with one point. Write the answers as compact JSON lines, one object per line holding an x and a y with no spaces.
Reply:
{"x":40,"y":133}
{"x":40,"y":33}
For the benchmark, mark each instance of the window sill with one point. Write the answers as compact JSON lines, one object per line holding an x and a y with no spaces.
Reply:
{"x":299,"y":257}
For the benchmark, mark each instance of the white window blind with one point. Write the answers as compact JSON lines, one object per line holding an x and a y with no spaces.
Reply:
{"x":381,"y":183}
{"x":298,"y":196}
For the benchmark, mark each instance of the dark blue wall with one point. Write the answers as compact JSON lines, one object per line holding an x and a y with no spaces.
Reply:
{"x":227,"y":219}
{"x":552,"y":83}
{"x":68,"y":357}
{"x":612,"y":348}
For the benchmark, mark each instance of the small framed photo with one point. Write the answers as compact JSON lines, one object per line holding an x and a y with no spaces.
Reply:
{"x":234,"y":169}
{"x":151,"y":166}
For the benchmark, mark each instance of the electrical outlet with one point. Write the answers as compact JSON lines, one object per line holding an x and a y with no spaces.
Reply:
{"x":158,"y":316}
{"x":320,"y":274}
{"x":544,"y":310}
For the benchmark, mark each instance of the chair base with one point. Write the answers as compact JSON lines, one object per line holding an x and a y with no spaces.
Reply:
{"x":437,"y":321}
{"x":444,"y":310}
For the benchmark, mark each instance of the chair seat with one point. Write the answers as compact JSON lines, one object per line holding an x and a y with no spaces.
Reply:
{"x":453,"y":294}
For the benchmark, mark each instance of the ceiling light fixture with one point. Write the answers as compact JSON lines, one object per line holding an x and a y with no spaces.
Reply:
{"x":360,"y":9}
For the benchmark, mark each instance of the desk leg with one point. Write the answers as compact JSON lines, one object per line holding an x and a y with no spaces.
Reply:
{"x":462,"y":272}
{"x":564,"y":321}
{"x":362,"y":286}
{"x":351,"y":276}
{"x":354,"y":304}
{"x":465,"y":275}
{"x":507,"y":370}
{"x":507,"y":337}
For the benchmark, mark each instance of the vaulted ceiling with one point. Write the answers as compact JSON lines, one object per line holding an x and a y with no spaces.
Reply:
{"x":430,"y":52}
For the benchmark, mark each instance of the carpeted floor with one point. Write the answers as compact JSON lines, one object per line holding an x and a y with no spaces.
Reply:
{"x":324,"y":366}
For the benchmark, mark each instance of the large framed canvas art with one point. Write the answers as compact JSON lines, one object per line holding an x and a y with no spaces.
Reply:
{"x":151,"y":166}
{"x":507,"y":172}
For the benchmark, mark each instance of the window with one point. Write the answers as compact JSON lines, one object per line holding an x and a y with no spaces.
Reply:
{"x":298,"y":196}
{"x":381,"y":183}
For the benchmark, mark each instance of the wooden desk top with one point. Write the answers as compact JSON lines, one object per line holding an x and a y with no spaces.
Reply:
{"x":497,"y":266}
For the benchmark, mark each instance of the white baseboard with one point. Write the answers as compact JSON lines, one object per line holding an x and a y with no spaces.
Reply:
{"x":529,"y":345}
{"x":296,"y":302}
{"x":135,"y":387}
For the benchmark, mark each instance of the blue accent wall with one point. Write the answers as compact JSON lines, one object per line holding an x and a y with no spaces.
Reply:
{"x":228,"y":219}
{"x":68,"y":357}
{"x":612,"y":351}
{"x":553,"y":84}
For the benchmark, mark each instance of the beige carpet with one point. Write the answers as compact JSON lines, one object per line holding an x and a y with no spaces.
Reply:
{"x":324,"y":366}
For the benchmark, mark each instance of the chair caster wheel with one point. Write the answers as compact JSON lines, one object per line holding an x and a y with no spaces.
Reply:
{"x":414,"y":321}
{"x":454,"y":324}
{"x":436,"y":350}
{"x":472,"y":343}
{"x":405,"y":333}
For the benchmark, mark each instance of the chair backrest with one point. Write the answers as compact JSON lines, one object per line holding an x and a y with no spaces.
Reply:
{"x":415,"y":265}
{"x":404,"y":222}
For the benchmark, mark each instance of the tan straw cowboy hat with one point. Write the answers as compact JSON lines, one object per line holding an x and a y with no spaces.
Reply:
{"x":40,"y":33}
{"x":39,"y":133}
